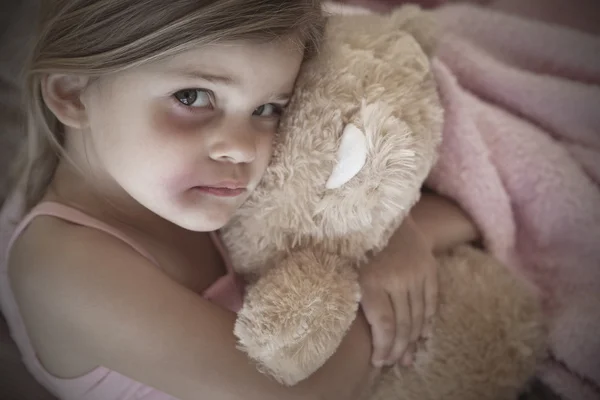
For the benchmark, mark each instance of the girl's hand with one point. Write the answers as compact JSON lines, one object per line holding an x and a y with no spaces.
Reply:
{"x":399,"y":294}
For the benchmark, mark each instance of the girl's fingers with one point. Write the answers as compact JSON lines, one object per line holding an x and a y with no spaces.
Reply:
{"x":409,"y":355}
{"x":379,"y":312}
{"x":417,"y":311}
{"x":431,"y":298}
{"x":401,"y":303}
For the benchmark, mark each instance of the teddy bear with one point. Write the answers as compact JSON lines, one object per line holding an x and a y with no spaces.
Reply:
{"x":354,"y":148}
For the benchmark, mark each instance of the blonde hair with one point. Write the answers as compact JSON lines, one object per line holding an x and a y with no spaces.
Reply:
{"x":97,"y":37}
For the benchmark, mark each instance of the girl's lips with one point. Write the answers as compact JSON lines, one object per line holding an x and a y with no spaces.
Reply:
{"x":221,"y":191}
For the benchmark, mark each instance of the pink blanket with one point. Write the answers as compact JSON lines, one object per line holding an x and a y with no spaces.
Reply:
{"x":521,"y":154}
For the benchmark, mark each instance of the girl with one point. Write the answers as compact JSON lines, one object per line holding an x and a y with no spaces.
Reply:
{"x":149,"y":123}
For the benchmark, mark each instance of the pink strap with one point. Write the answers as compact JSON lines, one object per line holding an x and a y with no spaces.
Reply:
{"x":75,"y":216}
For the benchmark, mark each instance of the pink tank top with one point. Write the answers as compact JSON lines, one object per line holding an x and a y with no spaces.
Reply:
{"x":101,"y":383}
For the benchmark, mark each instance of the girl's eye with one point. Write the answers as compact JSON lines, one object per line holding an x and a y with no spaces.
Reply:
{"x":194,"y":97}
{"x":268,"y":110}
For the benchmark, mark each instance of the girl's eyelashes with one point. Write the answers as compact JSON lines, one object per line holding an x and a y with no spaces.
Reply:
{"x":197,"y":98}
{"x":269,"y":110}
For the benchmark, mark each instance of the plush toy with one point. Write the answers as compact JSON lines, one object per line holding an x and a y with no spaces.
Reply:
{"x":355,"y":146}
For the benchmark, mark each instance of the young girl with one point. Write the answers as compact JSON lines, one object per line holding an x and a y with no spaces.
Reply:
{"x":150,"y":122}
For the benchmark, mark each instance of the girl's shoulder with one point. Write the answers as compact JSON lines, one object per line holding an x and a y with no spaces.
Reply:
{"x":49,"y":245}
{"x":59,"y":272}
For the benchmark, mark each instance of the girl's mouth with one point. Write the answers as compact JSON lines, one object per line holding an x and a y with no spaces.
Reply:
{"x":221,"y":191}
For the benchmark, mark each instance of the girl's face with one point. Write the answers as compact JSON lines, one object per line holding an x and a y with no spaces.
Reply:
{"x":189,"y":138}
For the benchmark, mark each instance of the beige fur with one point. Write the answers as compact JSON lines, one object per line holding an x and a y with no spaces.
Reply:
{"x":487,"y":339}
{"x":300,"y":244}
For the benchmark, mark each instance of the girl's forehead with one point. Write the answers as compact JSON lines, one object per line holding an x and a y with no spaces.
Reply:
{"x":226,"y":52}
{"x":234,"y":62}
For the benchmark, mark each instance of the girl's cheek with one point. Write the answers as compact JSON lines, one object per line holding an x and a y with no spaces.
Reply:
{"x":175,"y":147}
{"x":175,"y":121}
{"x":172,"y":125}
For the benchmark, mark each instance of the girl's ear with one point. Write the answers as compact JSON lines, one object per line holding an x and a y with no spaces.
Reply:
{"x":62,"y":94}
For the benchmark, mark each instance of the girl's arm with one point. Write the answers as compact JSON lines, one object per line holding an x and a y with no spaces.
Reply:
{"x":102,"y":300}
{"x":443,"y":222}
{"x":116,"y":310}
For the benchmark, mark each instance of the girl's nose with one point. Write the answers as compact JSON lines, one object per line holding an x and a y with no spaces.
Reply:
{"x":235,"y":145}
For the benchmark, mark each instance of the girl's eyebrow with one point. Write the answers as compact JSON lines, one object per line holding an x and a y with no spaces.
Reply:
{"x":195,"y":74}
{"x":283,"y":97}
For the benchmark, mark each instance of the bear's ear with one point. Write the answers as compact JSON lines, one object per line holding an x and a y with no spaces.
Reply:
{"x":351,"y":157}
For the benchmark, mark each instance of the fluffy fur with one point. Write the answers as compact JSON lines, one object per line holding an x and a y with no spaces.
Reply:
{"x":299,"y":244}
{"x":487,"y":339}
